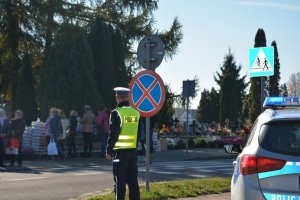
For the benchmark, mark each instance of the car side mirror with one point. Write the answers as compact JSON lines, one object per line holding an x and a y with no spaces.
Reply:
{"x":233,"y":148}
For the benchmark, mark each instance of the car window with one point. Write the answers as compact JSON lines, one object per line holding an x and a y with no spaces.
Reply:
{"x":252,"y":132}
{"x":281,"y":137}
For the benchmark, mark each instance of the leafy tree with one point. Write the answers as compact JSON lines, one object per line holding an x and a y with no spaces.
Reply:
{"x":26,"y":95}
{"x":293,"y":84}
{"x":66,"y":80}
{"x":209,"y":106}
{"x":100,"y":39}
{"x":272,"y":84}
{"x":254,"y":93}
{"x":232,"y":89}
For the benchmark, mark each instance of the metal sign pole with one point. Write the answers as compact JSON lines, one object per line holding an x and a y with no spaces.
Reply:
{"x":150,"y":55}
{"x":262,"y":93}
{"x":148,"y":129}
{"x":187,"y":125}
{"x":147,"y":154}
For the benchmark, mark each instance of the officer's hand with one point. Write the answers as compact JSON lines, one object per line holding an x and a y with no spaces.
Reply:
{"x":108,"y":157}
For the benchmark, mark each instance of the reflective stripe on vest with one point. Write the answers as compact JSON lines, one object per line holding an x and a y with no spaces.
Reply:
{"x":129,"y":128}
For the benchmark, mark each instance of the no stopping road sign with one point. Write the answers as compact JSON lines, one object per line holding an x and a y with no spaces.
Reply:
{"x":147,"y":93}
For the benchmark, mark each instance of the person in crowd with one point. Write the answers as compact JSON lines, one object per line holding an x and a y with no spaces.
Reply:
{"x":102,"y":125}
{"x":65,"y":122}
{"x":88,"y":122}
{"x":4,"y":133}
{"x":56,"y":130}
{"x":17,"y":130}
{"x":79,"y":126}
{"x":47,"y":125}
{"x":72,"y":133}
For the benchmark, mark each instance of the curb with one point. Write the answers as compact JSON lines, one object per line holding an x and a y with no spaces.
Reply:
{"x":86,"y":196}
{"x":15,"y":169}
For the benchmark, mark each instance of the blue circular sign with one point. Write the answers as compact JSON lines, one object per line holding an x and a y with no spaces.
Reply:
{"x":147,"y":93}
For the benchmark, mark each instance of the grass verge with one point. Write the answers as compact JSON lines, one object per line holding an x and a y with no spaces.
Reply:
{"x":178,"y":189}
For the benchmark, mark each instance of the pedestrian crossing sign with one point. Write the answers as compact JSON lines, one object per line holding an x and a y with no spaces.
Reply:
{"x":261,"y":61}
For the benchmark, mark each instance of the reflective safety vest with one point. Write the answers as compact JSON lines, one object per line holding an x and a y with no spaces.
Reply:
{"x":129,"y":128}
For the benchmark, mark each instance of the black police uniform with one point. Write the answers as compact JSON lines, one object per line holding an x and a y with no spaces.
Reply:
{"x":125,"y":168}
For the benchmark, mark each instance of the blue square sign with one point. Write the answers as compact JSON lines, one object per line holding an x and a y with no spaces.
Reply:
{"x":261,"y":61}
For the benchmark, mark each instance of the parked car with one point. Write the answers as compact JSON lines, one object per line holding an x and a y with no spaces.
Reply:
{"x":268,"y":167}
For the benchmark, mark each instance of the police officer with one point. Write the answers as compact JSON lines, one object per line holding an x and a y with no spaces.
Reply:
{"x":122,"y":145}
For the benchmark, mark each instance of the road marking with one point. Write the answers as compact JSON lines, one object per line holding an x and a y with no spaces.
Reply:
{"x":164,"y":172}
{"x":198,"y":176}
{"x":59,"y":168}
{"x":26,"y":179}
{"x":88,"y":174}
{"x":206,"y":170}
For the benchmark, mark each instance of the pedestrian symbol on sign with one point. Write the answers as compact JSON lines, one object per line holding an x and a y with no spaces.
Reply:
{"x":266,"y":64}
{"x":261,"y":61}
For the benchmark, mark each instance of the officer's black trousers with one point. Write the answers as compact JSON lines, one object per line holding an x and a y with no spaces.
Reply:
{"x":125,"y":172}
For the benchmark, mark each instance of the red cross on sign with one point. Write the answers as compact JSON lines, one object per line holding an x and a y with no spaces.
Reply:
{"x":147,"y":93}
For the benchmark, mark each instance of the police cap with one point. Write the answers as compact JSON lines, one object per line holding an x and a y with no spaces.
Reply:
{"x":121,"y":90}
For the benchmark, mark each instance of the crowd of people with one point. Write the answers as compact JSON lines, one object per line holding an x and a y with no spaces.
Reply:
{"x":58,"y":129}
{"x":61,"y":129}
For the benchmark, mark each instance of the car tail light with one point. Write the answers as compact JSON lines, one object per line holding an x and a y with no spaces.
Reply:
{"x":251,"y":164}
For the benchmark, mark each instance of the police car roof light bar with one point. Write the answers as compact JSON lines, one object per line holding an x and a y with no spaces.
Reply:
{"x":276,"y":102}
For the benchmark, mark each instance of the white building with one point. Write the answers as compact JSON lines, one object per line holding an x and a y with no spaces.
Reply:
{"x":181,"y":115}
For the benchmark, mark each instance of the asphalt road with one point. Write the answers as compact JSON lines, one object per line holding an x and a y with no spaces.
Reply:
{"x":66,"y":182}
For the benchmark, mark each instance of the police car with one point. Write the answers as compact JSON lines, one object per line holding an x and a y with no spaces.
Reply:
{"x":268,"y":167}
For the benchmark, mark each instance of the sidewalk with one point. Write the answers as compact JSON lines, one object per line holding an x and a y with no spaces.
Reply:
{"x":165,"y":156}
{"x":224,"y":196}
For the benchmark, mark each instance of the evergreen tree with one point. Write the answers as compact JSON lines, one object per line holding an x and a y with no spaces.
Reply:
{"x":254,"y":93}
{"x":119,"y":50}
{"x":165,"y":115}
{"x":214,"y":105}
{"x":245,"y":111}
{"x":68,"y":75}
{"x":31,"y":26}
{"x":283,"y":90}
{"x":272,"y":84}
{"x":13,"y":17}
{"x":26,"y":96}
{"x":232,"y":89}
{"x":209,"y":106}
{"x":203,"y":108}
{"x":100,"y":39}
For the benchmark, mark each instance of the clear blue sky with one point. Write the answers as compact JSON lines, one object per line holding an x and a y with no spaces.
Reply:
{"x":210,"y":28}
